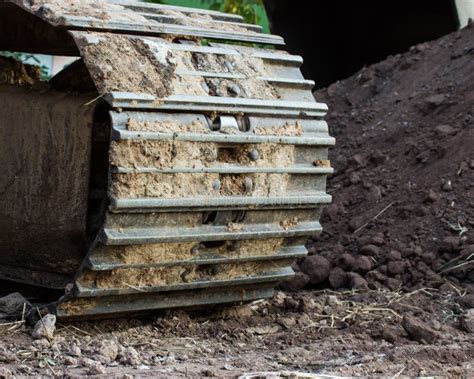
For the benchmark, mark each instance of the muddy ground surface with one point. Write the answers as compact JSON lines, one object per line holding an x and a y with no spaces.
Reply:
{"x":335,"y":333}
{"x":398,"y":248}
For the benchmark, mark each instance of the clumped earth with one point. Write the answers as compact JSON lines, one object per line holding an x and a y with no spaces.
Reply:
{"x":324,"y":332}
{"x":388,"y":286}
{"x":403,"y":210}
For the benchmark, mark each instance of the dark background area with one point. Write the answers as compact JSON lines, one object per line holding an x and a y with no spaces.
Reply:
{"x":338,"y":37}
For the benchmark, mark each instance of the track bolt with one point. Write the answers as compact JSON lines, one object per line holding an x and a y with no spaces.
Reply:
{"x":234,"y":246}
{"x":253,"y":155}
{"x":216,"y":185}
{"x":234,"y":89}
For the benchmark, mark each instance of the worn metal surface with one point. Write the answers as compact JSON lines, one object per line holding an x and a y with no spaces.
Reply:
{"x":45,"y":148}
{"x":217,"y":161}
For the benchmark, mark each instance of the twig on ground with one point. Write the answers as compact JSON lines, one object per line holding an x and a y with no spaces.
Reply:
{"x":398,"y":373}
{"x":375,"y":217}
{"x":92,"y":101}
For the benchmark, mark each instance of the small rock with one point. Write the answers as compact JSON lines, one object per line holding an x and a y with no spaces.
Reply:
{"x":331,"y":211}
{"x":5,"y":373}
{"x":205,"y":373}
{"x":389,"y":335}
{"x":394,"y":255}
{"x":445,"y":130}
{"x":6,"y":355}
{"x":378,"y":157}
{"x":408,"y":252}
{"x":264,"y":329}
{"x":357,"y":160}
{"x":70,"y":361}
{"x":338,"y":278}
{"x":13,"y":304}
{"x":357,"y":282}
{"x":304,"y":320}
{"x":393,"y":284}
{"x":238,"y":312}
{"x":279,"y":299}
{"x":356,"y":222}
{"x":370,"y":250}
{"x":466,"y":321}
{"x":375,"y":194}
{"x":307,"y":304}
{"x":108,"y":349}
{"x":45,"y":327}
{"x":377,"y":241}
{"x":354,"y":178}
{"x":332,"y":301}
{"x":130,"y":357}
{"x":291,"y":303}
{"x":96,"y":369}
{"x":287,"y":322}
{"x":395,"y":267}
{"x":466,"y":301}
{"x":362,"y":264}
{"x":431,"y":197}
{"x":86,"y":362}
{"x":435,"y":101}
{"x":447,"y":186}
{"x":436,"y":325}
{"x":346,"y":262}
{"x":75,"y":351}
{"x":42,"y":344}
{"x":296,"y":283}
{"x":317,"y":268}
{"x":428,"y":258}
{"x":418,"y":330}
{"x":377,"y":276}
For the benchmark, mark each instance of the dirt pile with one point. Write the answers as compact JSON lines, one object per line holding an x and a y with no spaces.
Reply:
{"x":403,"y":208}
{"x":15,"y":72}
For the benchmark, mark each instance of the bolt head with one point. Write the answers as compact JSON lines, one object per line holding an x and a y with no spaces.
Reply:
{"x":216,"y":185}
{"x":253,"y":155}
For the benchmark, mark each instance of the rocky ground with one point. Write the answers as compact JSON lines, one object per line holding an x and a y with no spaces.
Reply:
{"x":388,"y":287}
{"x":423,"y":332}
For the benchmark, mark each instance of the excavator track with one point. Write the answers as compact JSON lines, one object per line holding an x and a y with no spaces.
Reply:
{"x":216,"y":154}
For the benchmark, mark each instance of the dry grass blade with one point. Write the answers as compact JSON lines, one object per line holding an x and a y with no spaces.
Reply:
{"x":13,"y":323}
{"x":133,"y":287}
{"x":375,"y":217}
{"x":398,"y":373}
{"x":466,"y":263}
{"x":92,"y":101}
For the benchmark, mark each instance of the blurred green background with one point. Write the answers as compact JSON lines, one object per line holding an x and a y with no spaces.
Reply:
{"x":253,"y":11}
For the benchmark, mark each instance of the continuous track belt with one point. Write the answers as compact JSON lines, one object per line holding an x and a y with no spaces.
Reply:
{"x":218,"y":158}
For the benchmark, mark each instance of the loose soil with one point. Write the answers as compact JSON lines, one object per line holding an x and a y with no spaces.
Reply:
{"x":403,"y":210}
{"x":344,"y":333}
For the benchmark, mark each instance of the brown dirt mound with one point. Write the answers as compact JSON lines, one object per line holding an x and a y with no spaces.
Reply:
{"x":403,"y":209}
